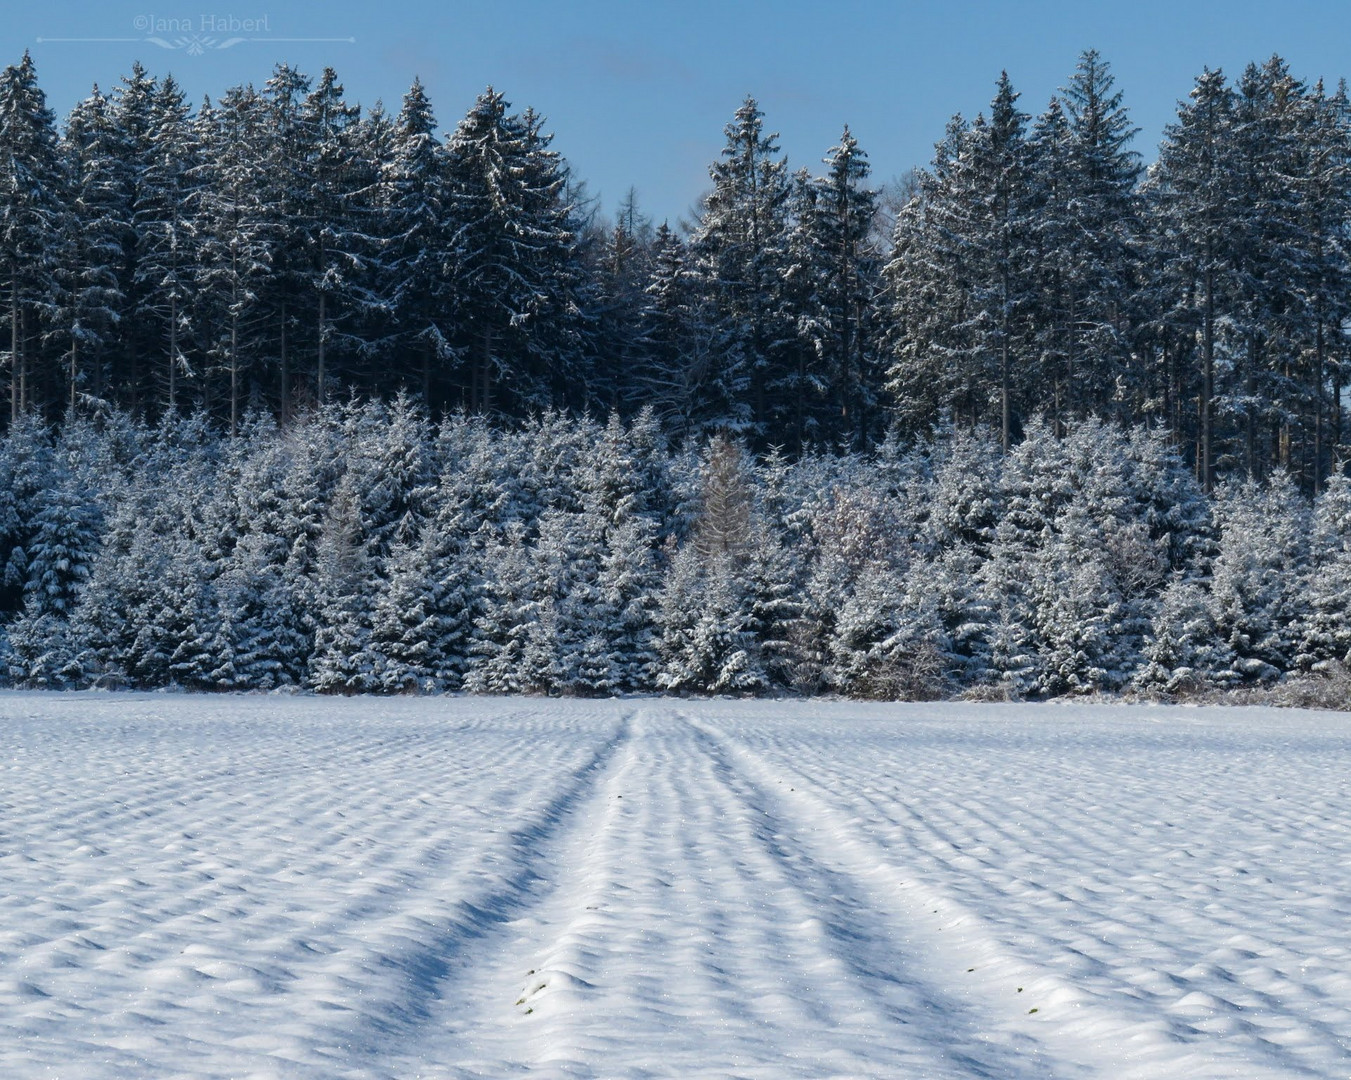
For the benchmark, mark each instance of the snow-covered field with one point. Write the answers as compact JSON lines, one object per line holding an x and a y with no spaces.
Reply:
{"x":313,"y":888}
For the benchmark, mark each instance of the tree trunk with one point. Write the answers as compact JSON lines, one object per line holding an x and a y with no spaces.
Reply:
{"x":1004,"y":365}
{"x":23,"y":360}
{"x":285,"y":360}
{"x":173,"y":353}
{"x":322,"y":374}
{"x":234,"y":349}
{"x":484,"y":392}
{"x":1208,"y":385}
{"x":1319,"y":346}
{"x":14,"y":342}
{"x":1250,"y":427}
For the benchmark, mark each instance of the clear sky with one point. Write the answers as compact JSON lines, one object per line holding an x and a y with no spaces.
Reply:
{"x":637,"y":93}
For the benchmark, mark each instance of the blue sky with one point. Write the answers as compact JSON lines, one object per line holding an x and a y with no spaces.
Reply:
{"x":638,"y":93}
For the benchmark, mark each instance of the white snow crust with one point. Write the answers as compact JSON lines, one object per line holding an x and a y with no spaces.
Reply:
{"x":255,"y":887}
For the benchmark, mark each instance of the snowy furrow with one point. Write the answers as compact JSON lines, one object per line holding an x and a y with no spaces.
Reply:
{"x":458,"y":888}
{"x":686,"y":936}
{"x":876,"y":940}
{"x":1137,"y":902}
{"x":289,"y":904}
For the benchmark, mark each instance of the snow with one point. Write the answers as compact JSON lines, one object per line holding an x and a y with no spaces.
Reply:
{"x":455,"y":887}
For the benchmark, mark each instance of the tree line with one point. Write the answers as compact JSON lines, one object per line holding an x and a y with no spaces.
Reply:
{"x":281,"y":248}
{"x":365,"y":548}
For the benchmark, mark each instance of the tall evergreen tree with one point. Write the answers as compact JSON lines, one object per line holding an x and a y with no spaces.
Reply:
{"x":621,"y":272}
{"x":1268,"y":258}
{"x":417,"y":286}
{"x":32,"y":207}
{"x":236,"y":248}
{"x":1086,"y":176}
{"x":928,"y":283}
{"x":512,"y":259}
{"x":99,"y":220}
{"x":845,"y":335}
{"x":167,"y":239}
{"x":328,"y":234}
{"x":1324,"y":149}
{"x":739,"y":251}
{"x":962,"y":275}
{"x":286,"y":295}
{"x":130,"y":374}
{"x":1193,"y":196}
{"x":677,"y":340}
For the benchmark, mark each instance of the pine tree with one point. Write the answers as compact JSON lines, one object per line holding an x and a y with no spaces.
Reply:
{"x":1096,"y":249}
{"x":927,"y":287}
{"x":1184,"y":650}
{"x":512,"y":258}
{"x":962,"y":278}
{"x":845,"y":334}
{"x":327,"y":235}
{"x":739,"y":251}
{"x":1323,"y":147}
{"x":1267,"y":257}
{"x":678,"y":341}
{"x":627,"y":591}
{"x":257,"y":644}
{"x":509,"y":610}
{"x":404,"y":625}
{"x":1192,"y":193}
{"x":620,"y":274}
{"x":711,"y":639}
{"x":236,"y":249}
{"x":1255,"y":584}
{"x":131,"y":368}
{"x":417,"y":259}
{"x":65,"y":539}
{"x":1005,"y":299}
{"x":1325,"y":630}
{"x":346,"y":586}
{"x":286,"y":298}
{"x":32,"y":187}
{"x":167,"y":239}
{"x":99,"y":221}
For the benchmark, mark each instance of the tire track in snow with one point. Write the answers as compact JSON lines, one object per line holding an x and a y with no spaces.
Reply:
{"x":907,"y":880}
{"x":290,"y":913}
{"x":882,"y":941}
{"x":249,"y":887}
{"x":1244,"y":991}
{"x":435,"y":945}
{"x":684,"y":938}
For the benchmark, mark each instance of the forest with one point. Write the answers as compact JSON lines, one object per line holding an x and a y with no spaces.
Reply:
{"x":366,"y":548}
{"x":308,"y":396}
{"x":280,"y":248}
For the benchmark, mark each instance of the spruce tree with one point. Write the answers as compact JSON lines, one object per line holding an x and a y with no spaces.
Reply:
{"x":417,"y":268}
{"x":1098,"y":251}
{"x":512,"y":260}
{"x":739,"y":248}
{"x":328,"y":236}
{"x":167,"y":239}
{"x":32,"y":208}
{"x":236,"y":248}
{"x":848,"y":268}
{"x":1193,"y":195}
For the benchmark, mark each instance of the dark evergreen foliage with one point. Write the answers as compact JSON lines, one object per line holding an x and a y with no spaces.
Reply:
{"x":361,"y":549}
{"x":329,"y":391}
